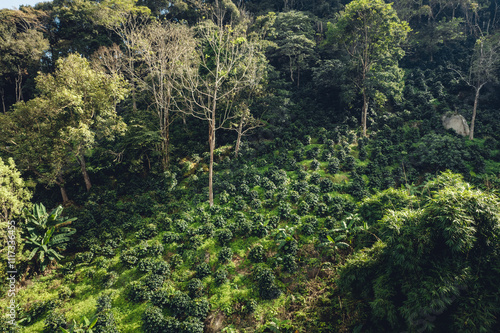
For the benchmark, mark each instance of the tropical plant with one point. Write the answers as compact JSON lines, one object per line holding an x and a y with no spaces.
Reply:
{"x":48,"y":234}
{"x":84,"y":326}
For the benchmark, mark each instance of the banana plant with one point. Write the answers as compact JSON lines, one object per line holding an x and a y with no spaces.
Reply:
{"x":48,"y":234}
{"x":84,"y":326}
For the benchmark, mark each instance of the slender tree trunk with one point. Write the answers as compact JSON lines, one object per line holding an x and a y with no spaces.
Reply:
{"x":364,"y":112}
{"x":211,"y":139}
{"x":472,"y":122}
{"x":238,"y":140}
{"x":19,"y":85}
{"x":63,"y":190}
{"x":85,"y":175}
{"x":2,"y":92}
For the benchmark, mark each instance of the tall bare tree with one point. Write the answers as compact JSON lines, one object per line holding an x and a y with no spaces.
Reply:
{"x":162,"y":49}
{"x":482,"y":70}
{"x":225,"y":64}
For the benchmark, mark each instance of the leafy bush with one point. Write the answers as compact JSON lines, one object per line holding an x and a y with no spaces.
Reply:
{"x":220,"y":277}
{"x":202,"y":270}
{"x":333,"y":165}
{"x":314,"y":165}
{"x":153,"y":320}
{"x":224,"y":236}
{"x":256,"y":254}
{"x":199,"y":308}
{"x":303,"y":208}
{"x":289,"y":264}
{"x":106,"y":322}
{"x":179,"y":304}
{"x":191,"y":325}
{"x":195,"y":288}
{"x":265,"y":283}
{"x":436,"y":251}
{"x":312,"y":153}
{"x":284,"y":210}
{"x":225,"y":255}
{"x":259,"y":230}
{"x":147,"y":232}
{"x":176,"y":260}
{"x":53,"y":322}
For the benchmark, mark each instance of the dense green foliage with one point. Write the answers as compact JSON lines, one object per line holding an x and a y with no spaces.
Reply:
{"x":297,"y":213}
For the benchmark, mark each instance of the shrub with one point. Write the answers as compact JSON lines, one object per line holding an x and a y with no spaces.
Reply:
{"x":294,"y":219}
{"x":349,"y":163}
{"x":254,"y":195}
{"x":311,"y":199}
{"x":179,"y":303}
{"x":176,"y":260}
{"x":315,"y":178}
{"x":284,"y":210}
{"x":301,"y":175}
{"x":220,"y":277}
{"x":326,"y":156}
{"x":208,"y":230}
{"x":195,"y":288}
{"x":180,"y":225}
{"x":301,"y":186}
{"x":333,"y":165}
{"x":54,"y":322}
{"x":306,"y":140}
{"x":106,"y":322}
{"x":128,"y":258}
{"x":312,"y":153}
{"x":250,"y":306}
{"x":224,"y":198}
{"x":153,"y":320}
{"x":153,"y":281}
{"x":290,"y":246}
{"x":219,"y":221}
{"x":147,"y":232}
{"x":202,"y":270}
{"x":314,"y":165}
{"x":138,"y":292}
{"x":259,"y":230}
{"x":294,"y":196}
{"x":191,"y":325}
{"x":225,"y":255}
{"x":326,"y":185}
{"x":224,"y":236}
{"x":265,"y":283}
{"x":322,"y":210}
{"x":303,"y":208}
{"x":199,"y":308}
{"x":308,"y":229}
{"x":289,"y":263}
{"x":256,"y":254}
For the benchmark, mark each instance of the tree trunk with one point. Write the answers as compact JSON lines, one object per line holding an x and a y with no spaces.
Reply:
{"x":2,"y":92}
{"x":364,"y":112}
{"x":63,"y":190}
{"x":472,"y":122}
{"x":85,"y":175}
{"x":238,"y":140}
{"x":19,"y":85}
{"x":211,"y":139}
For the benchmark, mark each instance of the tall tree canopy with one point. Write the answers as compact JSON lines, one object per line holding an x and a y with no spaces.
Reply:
{"x":76,"y":109}
{"x":372,"y":35}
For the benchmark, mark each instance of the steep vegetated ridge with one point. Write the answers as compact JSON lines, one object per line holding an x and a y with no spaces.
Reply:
{"x":257,"y":166}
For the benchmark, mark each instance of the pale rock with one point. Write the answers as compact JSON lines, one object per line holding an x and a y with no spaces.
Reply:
{"x":457,"y":123}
